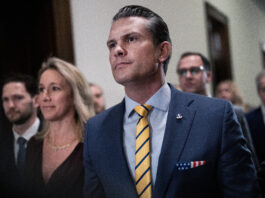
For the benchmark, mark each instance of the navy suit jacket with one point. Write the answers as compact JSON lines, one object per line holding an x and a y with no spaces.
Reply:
{"x":10,"y":181}
{"x":207,"y":131}
{"x":257,"y":129}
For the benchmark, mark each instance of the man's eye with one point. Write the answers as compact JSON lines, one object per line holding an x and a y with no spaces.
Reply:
{"x":193,"y":72}
{"x":111,"y":45}
{"x":131,"y":38}
{"x":41,"y":89}
{"x":5,"y":99}
{"x":18,"y":97}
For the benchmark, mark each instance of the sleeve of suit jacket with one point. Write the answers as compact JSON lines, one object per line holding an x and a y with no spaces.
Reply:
{"x":236,"y":172}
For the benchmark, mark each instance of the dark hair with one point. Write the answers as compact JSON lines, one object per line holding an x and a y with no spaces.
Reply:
{"x":206,"y":62}
{"x":29,"y":82}
{"x":157,"y":26}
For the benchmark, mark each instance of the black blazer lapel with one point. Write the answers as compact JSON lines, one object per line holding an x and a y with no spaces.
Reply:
{"x":176,"y":134}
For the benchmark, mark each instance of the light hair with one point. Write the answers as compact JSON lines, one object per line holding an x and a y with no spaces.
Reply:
{"x":83,"y":102}
{"x":236,"y":97}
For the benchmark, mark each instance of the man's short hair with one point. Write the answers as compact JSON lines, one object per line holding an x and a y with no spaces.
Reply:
{"x":29,"y":82}
{"x":259,"y":76}
{"x":206,"y":62}
{"x":157,"y":26}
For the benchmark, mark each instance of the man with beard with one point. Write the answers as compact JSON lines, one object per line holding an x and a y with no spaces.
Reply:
{"x":19,"y":99}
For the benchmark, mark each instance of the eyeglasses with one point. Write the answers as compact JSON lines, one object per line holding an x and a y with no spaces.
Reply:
{"x":193,"y":71}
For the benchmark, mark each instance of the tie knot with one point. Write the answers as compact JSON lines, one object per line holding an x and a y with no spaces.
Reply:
{"x":21,"y":141}
{"x":143,"y":110}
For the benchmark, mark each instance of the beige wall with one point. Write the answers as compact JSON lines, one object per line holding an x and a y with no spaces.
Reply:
{"x":186,"y":21}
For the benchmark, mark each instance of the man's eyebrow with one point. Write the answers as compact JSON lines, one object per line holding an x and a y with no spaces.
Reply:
{"x":123,"y":36}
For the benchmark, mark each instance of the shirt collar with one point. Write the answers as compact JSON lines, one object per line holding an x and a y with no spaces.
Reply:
{"x":29,"y":132}
{"x":160,"y":100}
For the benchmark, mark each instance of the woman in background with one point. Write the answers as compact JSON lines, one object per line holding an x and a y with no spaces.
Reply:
{"x":54,"y":157}
{"x":228,"y":90}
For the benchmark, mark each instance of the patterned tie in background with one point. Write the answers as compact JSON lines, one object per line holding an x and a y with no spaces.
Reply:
{"x":142,"y":153}
{"x":21,"y":154}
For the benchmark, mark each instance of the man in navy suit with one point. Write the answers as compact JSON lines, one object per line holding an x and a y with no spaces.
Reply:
{"x":256,"y":119}
{"x":197,"y":147}
{"x":195,"y":73}
{"x":256,"y":122}
{"x":19,"y":100}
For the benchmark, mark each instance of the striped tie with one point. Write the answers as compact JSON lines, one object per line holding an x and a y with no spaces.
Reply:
{"x":142,"y":153}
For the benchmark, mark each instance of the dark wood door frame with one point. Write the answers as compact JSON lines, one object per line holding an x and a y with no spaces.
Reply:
{"x":218,"y":44}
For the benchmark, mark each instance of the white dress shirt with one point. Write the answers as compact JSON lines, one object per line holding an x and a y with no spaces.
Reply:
{"x":27,"y":135}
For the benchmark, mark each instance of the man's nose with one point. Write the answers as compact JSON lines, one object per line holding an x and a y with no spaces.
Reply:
{"x":188,"y":74}
{"x":11,"y":103}
{"x":120,"y":50}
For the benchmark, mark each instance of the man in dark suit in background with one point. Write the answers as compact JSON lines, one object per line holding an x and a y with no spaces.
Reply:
{"x":256,"y":122}
{"x":195,"y":73}
{"x":19,"y":100}
{"x":160,"y":142}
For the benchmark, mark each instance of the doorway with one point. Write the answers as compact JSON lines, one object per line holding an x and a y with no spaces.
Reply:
{"x":218,"y":43}
{"x":31,"y":31}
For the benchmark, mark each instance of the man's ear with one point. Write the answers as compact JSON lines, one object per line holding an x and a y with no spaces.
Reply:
{"x":164,"y":50}
{"x":36,"y":101}
{"x":208,"y":76}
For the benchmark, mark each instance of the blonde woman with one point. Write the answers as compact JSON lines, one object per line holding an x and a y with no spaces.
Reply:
{"x":54,"y":157}
{"x":228,"y":90}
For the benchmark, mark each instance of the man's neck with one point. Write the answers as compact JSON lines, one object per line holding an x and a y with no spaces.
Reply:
{"x":22,"y":128}
{"x":205,"y":93}
{"x":142,"y":92}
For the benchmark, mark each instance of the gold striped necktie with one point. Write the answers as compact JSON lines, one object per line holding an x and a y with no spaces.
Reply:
{"x":142,"y":153}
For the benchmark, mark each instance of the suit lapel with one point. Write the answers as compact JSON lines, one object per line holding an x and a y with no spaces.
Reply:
{"x":176,"y":134}
{"x":115,"y":150}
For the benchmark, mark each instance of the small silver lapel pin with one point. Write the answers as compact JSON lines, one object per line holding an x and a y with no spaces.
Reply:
{"x":179,"y":116}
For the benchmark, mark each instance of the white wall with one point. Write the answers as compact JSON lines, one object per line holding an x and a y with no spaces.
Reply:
{"x":91,"y":21}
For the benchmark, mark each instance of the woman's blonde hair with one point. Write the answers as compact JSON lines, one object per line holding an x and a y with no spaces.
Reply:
{"x":236,"y":97}
{"x":83,"y":101}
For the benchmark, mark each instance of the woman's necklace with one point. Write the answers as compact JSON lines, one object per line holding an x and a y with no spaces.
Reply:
{"x":61,"y":147}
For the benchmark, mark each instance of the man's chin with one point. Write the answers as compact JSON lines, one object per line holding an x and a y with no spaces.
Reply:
{"x":190,"y":90}
{"x":19,"y":121}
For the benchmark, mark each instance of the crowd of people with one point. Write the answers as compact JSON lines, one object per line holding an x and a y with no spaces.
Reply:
{"x":162,"y":140}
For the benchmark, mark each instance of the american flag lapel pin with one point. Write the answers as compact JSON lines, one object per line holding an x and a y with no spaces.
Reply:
{"x":179,"y":116}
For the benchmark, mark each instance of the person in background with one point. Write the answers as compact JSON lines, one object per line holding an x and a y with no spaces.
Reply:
{"x":160,"y":142}
{"x":98,"y":98}
{"x":256,"y":122}
{"x":228,"y":90}
{"x":55,"y":155}
{"x":195,"y":73}
{"x":19,"y":100}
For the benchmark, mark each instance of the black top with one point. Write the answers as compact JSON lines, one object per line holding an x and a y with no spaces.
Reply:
{"x":66,"y":181}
